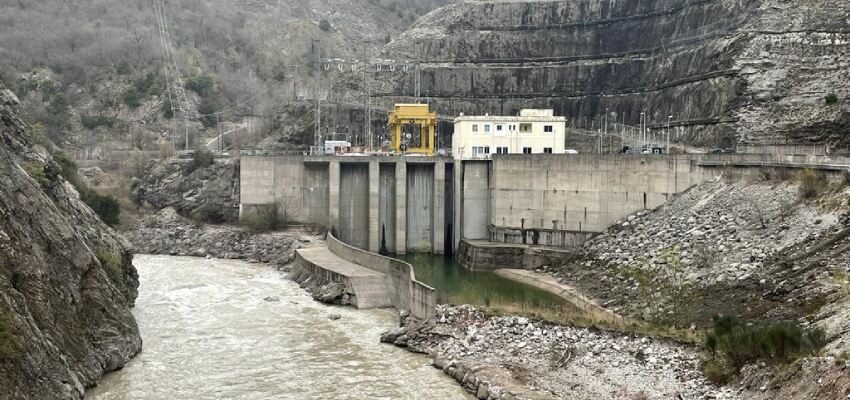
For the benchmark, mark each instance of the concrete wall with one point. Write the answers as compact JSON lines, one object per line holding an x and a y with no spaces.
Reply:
{"x":280,"y":181}
{"x":488,"y":256}
{"x":406,"y":293}
{"x":475,"y":200}
{"x":354,"y":205}
{"x":544,"y":195}
{"x":315,"y":188}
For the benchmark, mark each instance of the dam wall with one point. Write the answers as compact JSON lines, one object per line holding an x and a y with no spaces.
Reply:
{"x":564,"y":200}
{"x":391,"y":205}
{"x":396,"y":205}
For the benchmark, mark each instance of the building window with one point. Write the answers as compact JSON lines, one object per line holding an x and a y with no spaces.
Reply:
{"x":475,"y":127}
{"x":499,"y":128}
{"x":512,"y":128}
{"x":480,"y":151}
{"x":548,"y":128}
{"x":547,"y":150}
{"x":487,"y":128}
{"x":501,"y":150}
{"x":525,"y":128}
{"x":526,"y":150}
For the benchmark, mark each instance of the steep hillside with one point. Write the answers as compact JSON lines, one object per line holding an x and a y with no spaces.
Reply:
{"x":66,"y":280}
{"x":723,"y":70}
{"x":92,"y":72}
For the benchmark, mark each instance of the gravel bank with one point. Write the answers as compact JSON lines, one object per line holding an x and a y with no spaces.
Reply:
{"x":506,"y":357}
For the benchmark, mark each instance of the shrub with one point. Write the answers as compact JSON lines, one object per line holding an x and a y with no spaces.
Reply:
{"x":35,"y":170}
{"x":811,"y":184}
{"x":167,"y":108}
{"x":7,"y":346}
{"x":263,"y":220}
{"x":123,"y":68}
{"x":831,"y":98}
{"x":203,"y":85}
{"x":325,"y":25}
{"x":105,"y":206}
{"x":717,"y":371}
{"x":201,"y":159}
{"x":111,"y":264}
{"x":208,"y":106}
{"x":147,"y":84}
{"x":132,"y":98}
{"x":738,"y":344}
{"x":280,"y":73}
{"x":95,"y":121}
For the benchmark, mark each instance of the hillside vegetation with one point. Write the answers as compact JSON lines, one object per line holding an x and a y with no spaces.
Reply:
{"x":92,"y":71}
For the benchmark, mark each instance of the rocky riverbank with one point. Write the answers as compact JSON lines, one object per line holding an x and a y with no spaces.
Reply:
{"x":511,"y":357}
{"x":167,"y":233}
{"x":764,"y":250}
{"x":67,"y":282}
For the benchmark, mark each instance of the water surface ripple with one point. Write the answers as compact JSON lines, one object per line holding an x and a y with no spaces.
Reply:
{"x":215,"y":329}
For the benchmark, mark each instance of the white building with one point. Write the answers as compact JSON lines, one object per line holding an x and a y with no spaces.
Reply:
{"x":532,"y":132}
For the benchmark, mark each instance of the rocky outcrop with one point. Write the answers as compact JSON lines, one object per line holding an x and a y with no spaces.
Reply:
{"x":167,"y":233}
{"x":725,"y":70}
{"x":67,"y":282}
{"x":208,"y":194}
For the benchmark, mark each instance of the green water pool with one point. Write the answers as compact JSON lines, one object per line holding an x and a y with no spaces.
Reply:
{"x":458,"y":285}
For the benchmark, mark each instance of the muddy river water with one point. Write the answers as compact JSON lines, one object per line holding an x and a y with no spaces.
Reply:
{"x":216,"y":329}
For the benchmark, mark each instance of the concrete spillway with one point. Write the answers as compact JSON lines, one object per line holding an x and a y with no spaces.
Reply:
{"x":420,"y":207}
{"x":354,"y":204}
{"x":387,"y":209}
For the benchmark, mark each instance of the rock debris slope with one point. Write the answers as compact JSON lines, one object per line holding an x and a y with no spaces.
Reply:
{"x":67,"y":282}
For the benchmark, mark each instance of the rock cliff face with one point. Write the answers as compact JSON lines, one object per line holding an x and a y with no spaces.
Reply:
{"x":67,"y":282}
{"x":727,"y":71}
{"x":208,"y":194}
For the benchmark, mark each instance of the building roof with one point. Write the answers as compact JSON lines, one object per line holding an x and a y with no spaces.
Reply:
{"x":527,"y":115}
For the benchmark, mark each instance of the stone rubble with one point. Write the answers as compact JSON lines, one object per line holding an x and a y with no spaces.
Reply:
{"x":720,"y":234}
{"x":167,"y":233}
{"x":209,"y":194}
{"x":513,"y":357}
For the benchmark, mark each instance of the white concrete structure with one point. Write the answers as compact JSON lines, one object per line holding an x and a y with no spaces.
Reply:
{"x":532,"y":132}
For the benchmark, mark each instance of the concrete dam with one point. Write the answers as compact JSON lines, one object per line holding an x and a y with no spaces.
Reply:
{"x":399,"y":205}
{"x":390,"y":205}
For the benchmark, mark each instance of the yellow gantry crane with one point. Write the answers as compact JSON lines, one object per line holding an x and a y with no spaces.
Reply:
{"x":412,"y":128}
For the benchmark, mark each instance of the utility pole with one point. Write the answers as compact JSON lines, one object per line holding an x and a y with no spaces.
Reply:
{"x":186,"y":121}
{"x":669,"y":118}
{"x":316,"y":72}
{"x":418,"y":73}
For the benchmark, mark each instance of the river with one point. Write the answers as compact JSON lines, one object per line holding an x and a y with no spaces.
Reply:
{"x":215,"y":329}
